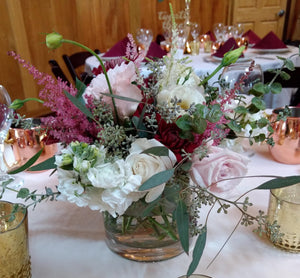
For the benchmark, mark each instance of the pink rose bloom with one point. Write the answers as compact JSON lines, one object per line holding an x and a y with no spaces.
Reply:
{"x":220,"y":164}
{"x":120,"y":79}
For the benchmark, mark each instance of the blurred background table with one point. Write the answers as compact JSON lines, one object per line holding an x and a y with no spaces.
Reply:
{"x":68,"y":241}
{"x":204,"y":63}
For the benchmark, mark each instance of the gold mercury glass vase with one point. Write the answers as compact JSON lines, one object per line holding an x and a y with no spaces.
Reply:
{"x":284,"y":208}
{"x":14,"y":251}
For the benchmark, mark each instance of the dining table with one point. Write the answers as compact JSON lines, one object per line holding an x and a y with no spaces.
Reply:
{"x":67,"y":241}
{"x":205,"y":63}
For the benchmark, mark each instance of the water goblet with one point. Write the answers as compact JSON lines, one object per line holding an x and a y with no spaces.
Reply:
{"x":195,"y":30}
{"x":6,"y":116}
{"x":219,"y":31}
{"x":251,"y":74}
{"x":144,"y":38}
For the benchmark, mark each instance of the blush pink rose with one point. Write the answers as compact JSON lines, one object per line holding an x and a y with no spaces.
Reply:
{"x":121,"y":78}
{"x":220,"y":164}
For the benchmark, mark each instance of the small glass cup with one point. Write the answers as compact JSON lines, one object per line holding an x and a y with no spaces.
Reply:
{"x":284,"y":208}
{"x":195,"y":47}
{"x":14,"y":250}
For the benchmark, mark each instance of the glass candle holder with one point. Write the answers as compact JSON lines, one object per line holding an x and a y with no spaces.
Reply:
{"x":284,"y":208}
{"x":195,"y":47}
{"x":14,"y":251}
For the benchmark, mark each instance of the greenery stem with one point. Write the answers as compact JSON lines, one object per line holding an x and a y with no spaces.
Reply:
{"x":103,"y":68}
{"x":205,"y":80}
{"x":170,"y":233}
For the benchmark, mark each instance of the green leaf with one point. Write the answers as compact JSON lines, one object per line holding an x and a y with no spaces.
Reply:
{"x":289,"y":64}
{"x":214,"y":114}
{"x":79,"y":104}
{"x":186,"y":166}
{"x":261,"y":88}
{"x":258,"y":103}
{"x":279,"y":182}
{"x":201,"y":111}
{"x":158,"y":151}
{"x":199,"y":125}
{"x":198,"y":251}
{"x":182,"y":221}
{"x":120,"y":97}
{"x":80,"y":86}
{"x":234,"y":126}
{"x":184,"y":122}
{"x":241,"y":110}
{"x":23,"y":193}
{"x":276,"y":88}
{"x":30,"y":162}
{"x":284,"y":75}
{"x":157,"y":179}
{"x":45,"y":165}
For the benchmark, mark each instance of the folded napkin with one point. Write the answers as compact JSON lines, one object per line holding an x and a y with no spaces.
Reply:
{"x":119,"y":49}
{"x":230,"y":44}
{"x":212,"y":35}
{"x":252,"y":37}
{"x":270,"y":41}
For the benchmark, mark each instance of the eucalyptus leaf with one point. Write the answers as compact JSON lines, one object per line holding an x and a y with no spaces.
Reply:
{"x":45,"y":165}
{"x":120,"y":97}
{"x":157,"y":179}
{"x":79,"y":104}
{"x":184,"y":122}
{"x":182,"y":221}
{"x":198,"y":251}
{"x":30,"y":162}
{"x":279,"y":182}
{"x":199,"y":126}
{"x":258,"y":103}
{"x":80,"y":86}
{"x":276,"y":88}
{"x":289,"y":64}
{"x":23,"y":193}
{"x":241,"y":110}
{"x":158,"y":151}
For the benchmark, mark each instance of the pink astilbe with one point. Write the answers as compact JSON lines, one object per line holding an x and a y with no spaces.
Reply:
{"x":69,"y":123}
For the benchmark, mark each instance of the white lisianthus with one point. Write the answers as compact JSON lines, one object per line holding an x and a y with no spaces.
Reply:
{"x":187,"y":95}
{"x":146,"y":165}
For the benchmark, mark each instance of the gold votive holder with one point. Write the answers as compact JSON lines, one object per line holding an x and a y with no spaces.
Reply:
{"x":23,"y":143}
{"x":284,"y":208}
{"x":14,"y":250}
{"x":195,"y":47}
{"x":286,"y":137}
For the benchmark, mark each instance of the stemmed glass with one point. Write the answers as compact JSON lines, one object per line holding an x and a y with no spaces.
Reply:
{"x":234,"y":72}
{"x":6,"y":116}
{"x":219,"y":30}
{"x":144,"y":38}
{"x":195,"y":31}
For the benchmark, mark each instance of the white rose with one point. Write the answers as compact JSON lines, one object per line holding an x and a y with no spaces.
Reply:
{"x":146,"y":165}
{"x":220,"y":164}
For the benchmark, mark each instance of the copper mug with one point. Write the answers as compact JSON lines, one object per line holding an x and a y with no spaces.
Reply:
{"x":23,"y":143}
{"x":286,"y":137}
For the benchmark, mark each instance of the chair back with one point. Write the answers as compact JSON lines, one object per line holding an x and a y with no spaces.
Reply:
{"x":75,"y":64}
{"x":57,"y":71}
{"x":293,"y":82}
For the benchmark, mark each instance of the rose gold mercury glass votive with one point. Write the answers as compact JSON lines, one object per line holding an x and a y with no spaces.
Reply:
{"x":14,"y":251}
{"x":286,"y":137}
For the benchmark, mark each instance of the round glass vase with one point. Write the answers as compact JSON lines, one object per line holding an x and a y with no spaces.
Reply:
{"x":142,"y":239}
{"x":147,"y":232}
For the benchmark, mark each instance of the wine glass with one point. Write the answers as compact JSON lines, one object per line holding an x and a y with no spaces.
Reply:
{"x":144,"y":38}
{"x":195,"y":31}
{"x":250,"y":73}
{"x":219,"y":30}
{"x":6,"y":116}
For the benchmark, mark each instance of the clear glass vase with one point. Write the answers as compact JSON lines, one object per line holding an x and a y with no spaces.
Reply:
{"x":141,"y":239}
{"x":147,"y":238}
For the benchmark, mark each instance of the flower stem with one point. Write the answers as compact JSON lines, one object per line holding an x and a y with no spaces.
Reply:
{"x":103,"y":68}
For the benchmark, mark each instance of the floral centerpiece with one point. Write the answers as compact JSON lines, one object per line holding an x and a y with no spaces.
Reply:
{"x":149,"y":151}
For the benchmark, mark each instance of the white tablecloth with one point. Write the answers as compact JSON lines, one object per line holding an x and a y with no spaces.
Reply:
{"x":204,"y":63}
{"x":68,"y":242}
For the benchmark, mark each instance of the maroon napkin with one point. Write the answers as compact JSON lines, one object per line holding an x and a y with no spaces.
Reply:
{"x":252,"y":37}
{"x":212,"y":35}
{"x":155,"y":51}
{"x":119,"y":49}
{"x":270,"y":41}
{"x":230,"y":44}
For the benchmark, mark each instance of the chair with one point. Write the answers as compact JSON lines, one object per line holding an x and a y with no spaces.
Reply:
{"x":57,"y":71}
{"x":75,"y":64}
